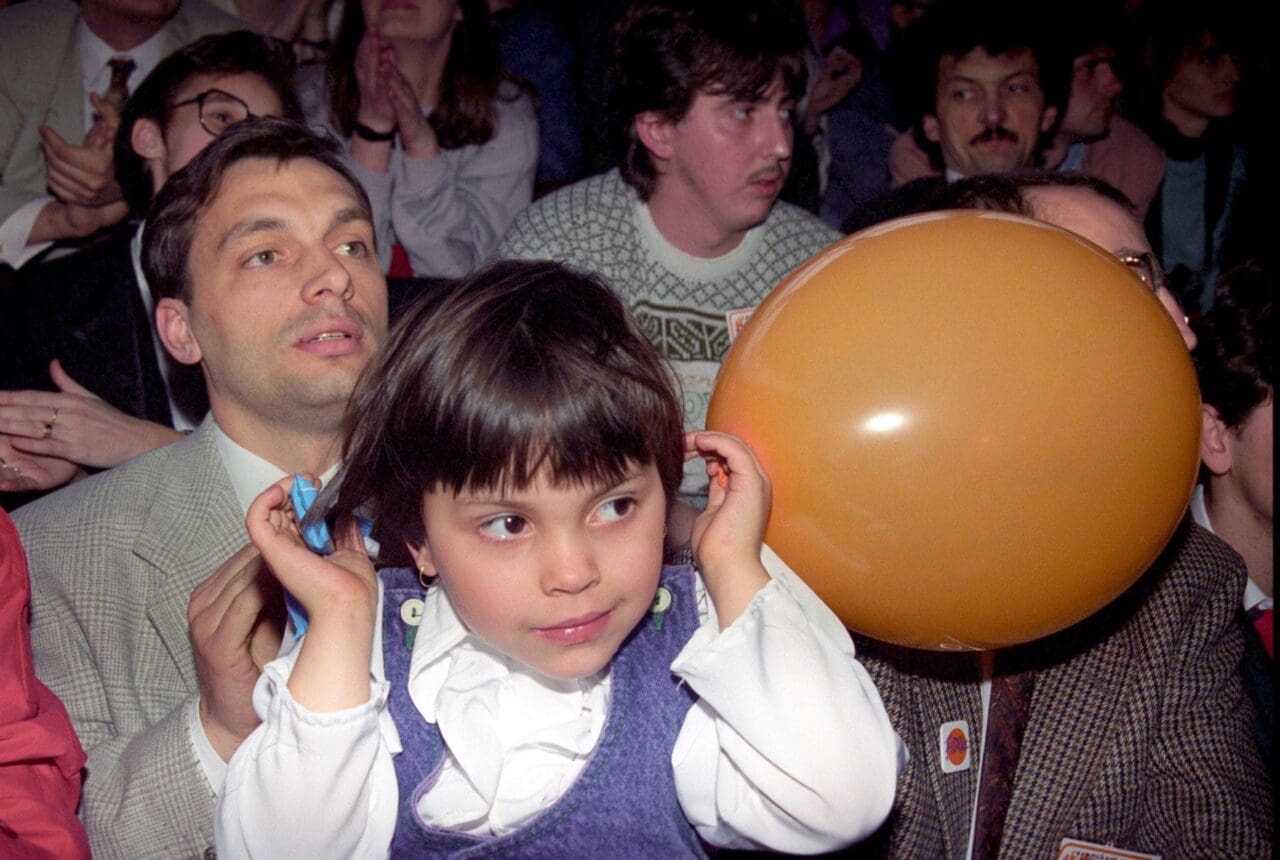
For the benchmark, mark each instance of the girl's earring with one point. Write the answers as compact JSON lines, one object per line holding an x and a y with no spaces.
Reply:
{"x":426,"y":580}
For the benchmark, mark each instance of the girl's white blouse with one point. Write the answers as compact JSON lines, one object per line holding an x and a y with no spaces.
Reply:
{"x":788,"y":746}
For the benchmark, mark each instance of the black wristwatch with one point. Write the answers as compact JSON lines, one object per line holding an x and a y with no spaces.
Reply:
{"x":365,"y":133}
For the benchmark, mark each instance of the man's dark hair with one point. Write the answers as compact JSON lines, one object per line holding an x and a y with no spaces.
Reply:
{"x":1235,"y":350}
{"x":954,"y":28}
{"x":1007,"y":192}
{"x":518,"y":367}
{"x":1091,"y":24}
{"x":992,"y":192}
{"x":235,"y":53}
{"x":166,"y":240}
{"x":1176,"y":29}
{"x":666,"y":53}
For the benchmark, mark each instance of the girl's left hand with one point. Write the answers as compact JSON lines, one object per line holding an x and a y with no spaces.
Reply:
{"x":416,"y":134}
{"x":728,"y":535}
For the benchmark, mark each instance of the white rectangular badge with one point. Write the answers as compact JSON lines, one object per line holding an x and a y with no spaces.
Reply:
{"x":736,"y":319}
{"x":1078,"y":849}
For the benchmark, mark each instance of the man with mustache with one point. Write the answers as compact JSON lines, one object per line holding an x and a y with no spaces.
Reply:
{"x":987,"y":87}
{"x":1089,"y":137}
{"x":148,"y":619}
{"x":687,"y":229}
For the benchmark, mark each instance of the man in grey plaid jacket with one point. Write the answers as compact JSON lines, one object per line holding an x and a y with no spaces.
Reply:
{"x":149,"y":619}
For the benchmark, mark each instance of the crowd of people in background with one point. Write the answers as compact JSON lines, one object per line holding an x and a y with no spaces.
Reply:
{"x":156,"y":352}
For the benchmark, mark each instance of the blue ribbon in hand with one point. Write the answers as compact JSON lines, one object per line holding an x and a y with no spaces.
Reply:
{"x":317,"y":538}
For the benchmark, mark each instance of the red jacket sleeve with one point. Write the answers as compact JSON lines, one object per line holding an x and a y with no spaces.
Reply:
{"x":40,"y":757}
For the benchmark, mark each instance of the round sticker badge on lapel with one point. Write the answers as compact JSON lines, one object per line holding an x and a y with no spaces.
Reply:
{"x":954,"y":747}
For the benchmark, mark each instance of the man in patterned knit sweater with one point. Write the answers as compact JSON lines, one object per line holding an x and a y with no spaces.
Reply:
{"x":688,"y":229}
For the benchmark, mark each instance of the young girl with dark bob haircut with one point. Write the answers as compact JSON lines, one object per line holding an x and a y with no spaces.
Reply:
{"x":541,"y":686}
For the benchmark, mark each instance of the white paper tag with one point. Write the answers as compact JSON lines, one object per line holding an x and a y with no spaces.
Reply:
{"x":1079,"y":849}
{"x":736,"y":319}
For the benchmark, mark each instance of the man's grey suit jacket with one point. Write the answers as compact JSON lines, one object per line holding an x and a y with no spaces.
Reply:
{"x":113,"y":562}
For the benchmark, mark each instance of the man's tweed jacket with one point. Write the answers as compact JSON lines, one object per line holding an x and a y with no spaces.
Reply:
{"x":1139,"y":736}
{"x":113,"y":562}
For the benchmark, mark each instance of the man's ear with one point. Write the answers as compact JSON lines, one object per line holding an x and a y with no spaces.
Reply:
{"x":1047,"y":118}
{"x":1214,"y":451}
{"x":654,"y":131}
{"x":174,"y":328}
{"x":147,"y":140}
{"x":929,"y":125}
{"x":422,"y":560}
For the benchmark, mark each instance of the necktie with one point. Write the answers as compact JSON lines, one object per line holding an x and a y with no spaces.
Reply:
{"x":118,"y":89}
{"x":1006,"y":721}
{"x":1263,"y":622}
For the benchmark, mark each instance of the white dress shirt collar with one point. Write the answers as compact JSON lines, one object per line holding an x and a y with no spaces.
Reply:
{"x":1253,"y":595}
{"x":249,"y":473}
{"x":1198,"y":511}
{"x":95,"y":74}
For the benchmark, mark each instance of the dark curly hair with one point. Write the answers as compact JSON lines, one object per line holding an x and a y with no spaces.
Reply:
{"x":1235,"y":352}
{"x":954,"y":28}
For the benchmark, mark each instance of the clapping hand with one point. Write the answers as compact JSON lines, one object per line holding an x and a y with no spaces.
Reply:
{"x":84,"y":175}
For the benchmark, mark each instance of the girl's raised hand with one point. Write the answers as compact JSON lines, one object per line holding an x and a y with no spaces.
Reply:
{"x":728,"y":535}
{"x":344,"y":579}
{"x":340,"y":593}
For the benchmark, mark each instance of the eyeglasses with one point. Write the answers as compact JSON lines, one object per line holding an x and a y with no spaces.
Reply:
{"x":218,"y":110}
{"x":1146,"y":267}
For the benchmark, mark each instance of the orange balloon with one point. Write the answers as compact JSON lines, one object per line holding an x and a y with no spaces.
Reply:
{"x":981,"y":429}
